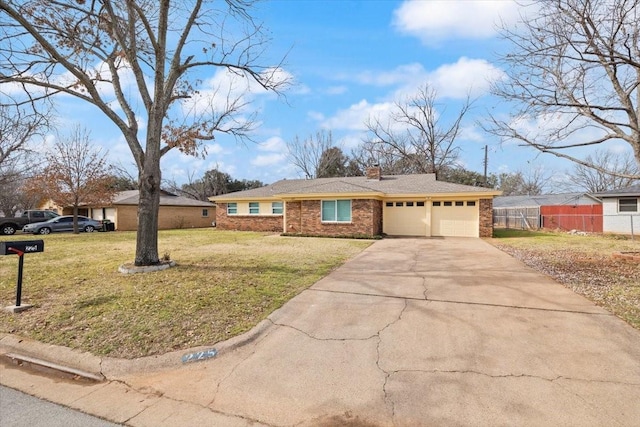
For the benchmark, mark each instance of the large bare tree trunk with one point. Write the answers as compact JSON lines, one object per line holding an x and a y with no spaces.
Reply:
{"x":148,"y":207}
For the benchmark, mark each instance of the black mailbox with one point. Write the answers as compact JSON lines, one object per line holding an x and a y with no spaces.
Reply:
{"x":21,"y":246}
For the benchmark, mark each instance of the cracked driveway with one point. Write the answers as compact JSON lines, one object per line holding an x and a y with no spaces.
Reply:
{"x":416,"y":332}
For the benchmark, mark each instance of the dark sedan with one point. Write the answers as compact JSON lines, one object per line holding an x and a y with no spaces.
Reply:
{"x":62,"y":223}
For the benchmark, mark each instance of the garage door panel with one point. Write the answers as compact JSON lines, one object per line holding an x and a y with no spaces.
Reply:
{"x":403,"y":220}
{"x":454,"y":221}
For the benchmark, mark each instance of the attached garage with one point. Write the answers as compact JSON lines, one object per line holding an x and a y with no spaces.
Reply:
{"x":405,"y":218}
{"x":455,"y":218}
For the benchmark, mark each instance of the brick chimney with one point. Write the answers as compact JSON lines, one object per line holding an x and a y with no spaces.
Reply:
{"x":373,"y":173}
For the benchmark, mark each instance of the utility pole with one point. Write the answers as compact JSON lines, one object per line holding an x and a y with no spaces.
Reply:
{"x":486,"y":162}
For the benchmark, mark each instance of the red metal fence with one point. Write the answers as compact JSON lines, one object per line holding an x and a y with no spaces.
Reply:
{"x":579,"y":217}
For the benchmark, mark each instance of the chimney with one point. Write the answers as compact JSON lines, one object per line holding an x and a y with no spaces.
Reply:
{"x":373,"y":173}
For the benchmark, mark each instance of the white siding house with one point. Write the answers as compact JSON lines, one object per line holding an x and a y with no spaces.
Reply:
{"x":621,"y":210}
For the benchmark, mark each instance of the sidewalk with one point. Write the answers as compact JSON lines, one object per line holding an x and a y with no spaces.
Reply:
{"x":411,"y":332}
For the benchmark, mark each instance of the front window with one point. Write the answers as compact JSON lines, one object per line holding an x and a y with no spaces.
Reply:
{"x":254,"y":208}
{"x":232,"y":208}
{"x":276,"y":208}
{"x":336,"y":211}
{"x":627,"y":205}
{"x":205,"y":212}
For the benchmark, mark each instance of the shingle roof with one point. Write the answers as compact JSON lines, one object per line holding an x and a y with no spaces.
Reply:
{"x":388,"y":185}
{"x":131,"y":197}
{"x":543,"y":200}
{"x":633,"y":190}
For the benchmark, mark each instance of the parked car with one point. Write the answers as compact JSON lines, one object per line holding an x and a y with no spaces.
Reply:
{"x":11,"y":225}
{"x":63,"y":223}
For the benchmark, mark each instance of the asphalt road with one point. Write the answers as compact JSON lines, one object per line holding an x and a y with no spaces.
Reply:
{"x":21,"y":410}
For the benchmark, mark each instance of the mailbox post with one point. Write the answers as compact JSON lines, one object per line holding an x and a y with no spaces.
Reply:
{"x":20,"y":248}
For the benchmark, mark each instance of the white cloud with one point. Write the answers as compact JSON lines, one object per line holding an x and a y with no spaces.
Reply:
{"x":620,"y":148}
{"x":471,"y":133}
{"x":316,"y":116}
{"x":216,"y":94}
{"x":399,"y":75}
{"x":455,"y":81}
{"x":273,"y":144}
{"x":355,"y":117}
{"x":336,"y":90}
{"x":466,"y":76}
{"x":214,"y":148}
{"x":225,"y":88}
{"x":350,"y":141}
{"x":438,"y":20}
{"x":268,"y":159}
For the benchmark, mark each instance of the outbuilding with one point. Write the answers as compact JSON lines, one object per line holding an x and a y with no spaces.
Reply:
{"x":621,"y":210}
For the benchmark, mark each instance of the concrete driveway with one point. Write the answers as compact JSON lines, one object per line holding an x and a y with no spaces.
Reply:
{"x":411,"y":332}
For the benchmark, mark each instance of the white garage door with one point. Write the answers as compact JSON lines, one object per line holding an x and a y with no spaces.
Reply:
{"x":404,"y":218}
{"x":104,"y":213}
{"x":455,"y":219}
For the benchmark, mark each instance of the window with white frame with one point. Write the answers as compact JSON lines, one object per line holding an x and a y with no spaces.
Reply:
{"x":276,"y":208}
{"x":627,"y":205}
{"x":254,"y":208}
{"x":336,"y":211}
{"x":232,"y":208}
{"x":205,"y":212}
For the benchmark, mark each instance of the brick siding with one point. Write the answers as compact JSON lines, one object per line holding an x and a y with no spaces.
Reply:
{"x":304,"y":217}
{"x":268,"y":223}
{"x":486,"y":218}
{"x":169,"y":217}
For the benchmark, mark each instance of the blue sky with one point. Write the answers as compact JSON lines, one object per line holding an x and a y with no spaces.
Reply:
{"x":351,"y":60}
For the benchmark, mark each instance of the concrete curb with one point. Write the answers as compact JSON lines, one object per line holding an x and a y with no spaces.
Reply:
{"x":87,"y":365}
{"x":49,"y":355}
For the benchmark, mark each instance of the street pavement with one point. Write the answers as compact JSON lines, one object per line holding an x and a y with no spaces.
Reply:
{"x":411,"y":332}
{"x":21,"y":410}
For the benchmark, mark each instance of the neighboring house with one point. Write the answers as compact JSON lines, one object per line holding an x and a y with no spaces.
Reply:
{"x":567,"y":211}
{"x":396,"y":205}
{"x":175,"y":211}
{"x":621,"y":210}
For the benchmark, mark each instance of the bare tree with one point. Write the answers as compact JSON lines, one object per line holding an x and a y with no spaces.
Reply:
{"x":594,"y":180}
{"x":415,"y":137}
{"x":574,"y":70}
{"x":367,"y":154}
{"x":535,"y":181}
{"x":135,"y":61}
{"x":333,"y":163}
{"x":531,"y":183}
{"x":307,"y":155}
{"x":18,"y":127}
{"x":75,"y":174}
{"x":13,"y":194}
{"x":213,"y":183}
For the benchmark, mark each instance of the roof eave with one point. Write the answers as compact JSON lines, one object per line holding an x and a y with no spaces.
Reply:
{"x":316,"y":196}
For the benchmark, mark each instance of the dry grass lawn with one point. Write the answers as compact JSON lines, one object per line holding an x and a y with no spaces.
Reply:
{"x":584,"y":264}
{"x":224,"y":284}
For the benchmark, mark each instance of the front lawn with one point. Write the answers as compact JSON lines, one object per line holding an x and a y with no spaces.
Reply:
{"x":224,"y":284}
{"x":583,"y":263}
